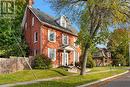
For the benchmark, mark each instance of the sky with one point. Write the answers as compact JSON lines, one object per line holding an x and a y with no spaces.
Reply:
{"x":45,"y":7}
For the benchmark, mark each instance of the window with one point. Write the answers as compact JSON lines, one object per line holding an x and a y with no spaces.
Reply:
{"x":51,"y":36}
{"x":26,"y":26}
{"x":35,"y":37}
{"x":65,"y":39}
{"x":35,"y":52}
{"x":32,"y":21}
{"x":63,"y":22}
{"x":52,"y":53}
{"x":76,"y":56}
{"x":75,"y":41}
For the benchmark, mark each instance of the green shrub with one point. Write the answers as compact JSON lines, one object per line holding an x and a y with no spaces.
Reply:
{"x":90,"y":62}
{"x":119,"y":59}
{"x":42,"y":62}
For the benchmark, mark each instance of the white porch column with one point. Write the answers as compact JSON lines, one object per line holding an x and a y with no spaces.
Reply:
{"x":74,"y":58}
{"x":64,"y":58}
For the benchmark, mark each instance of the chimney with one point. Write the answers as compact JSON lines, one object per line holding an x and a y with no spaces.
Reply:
{"x":30,"y":3}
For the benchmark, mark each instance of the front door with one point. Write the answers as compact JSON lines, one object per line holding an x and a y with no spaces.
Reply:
{"x":64,"y":59}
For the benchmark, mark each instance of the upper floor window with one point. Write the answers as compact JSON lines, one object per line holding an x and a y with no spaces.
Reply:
{"x":32,"y":21}
{"x":35,"y":37}
{"x":51,"y":36}
{"x":63,"y":22}
{"x":75,"y":41}
{"x":52,"y":53}
{"x":26,"y":26}
{"x":65,"y":39}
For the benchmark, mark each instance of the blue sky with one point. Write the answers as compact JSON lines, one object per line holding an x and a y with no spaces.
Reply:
{"x":44,"y":6}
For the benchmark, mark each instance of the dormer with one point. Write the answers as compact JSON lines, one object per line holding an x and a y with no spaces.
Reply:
{"x":64,"y":22}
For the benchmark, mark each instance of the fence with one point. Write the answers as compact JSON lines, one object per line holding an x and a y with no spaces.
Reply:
{"x":11,"y":65}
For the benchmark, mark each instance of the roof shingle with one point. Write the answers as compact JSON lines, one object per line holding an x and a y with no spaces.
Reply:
{"x":52,"y":21}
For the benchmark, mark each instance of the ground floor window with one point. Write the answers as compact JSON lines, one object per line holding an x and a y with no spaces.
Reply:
{"x":35,"y":52}
{"x":52,"y":53}
{"x":76,"y":56}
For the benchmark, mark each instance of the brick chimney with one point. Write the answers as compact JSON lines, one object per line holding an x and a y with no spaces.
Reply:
{"x":30,"y":3}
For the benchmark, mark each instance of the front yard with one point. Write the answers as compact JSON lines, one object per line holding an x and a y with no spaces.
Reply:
{"x":27,"y":75}
{"x":74,"y":81}
{"x":70,"y":81}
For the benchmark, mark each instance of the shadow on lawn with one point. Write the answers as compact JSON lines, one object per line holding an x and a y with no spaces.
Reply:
{"x":59,"y":72}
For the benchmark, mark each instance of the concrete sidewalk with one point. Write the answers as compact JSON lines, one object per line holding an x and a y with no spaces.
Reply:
{"x":102,"y":80}
{"x":48,"y":79}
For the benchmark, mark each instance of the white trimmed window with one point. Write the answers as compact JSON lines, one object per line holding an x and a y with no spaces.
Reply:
{"x":52,"y":53}
{"x":63,"y":22}
{"x":75,"y":39}
{"x":51,"y":36}
{"x":32,"y":21}
{"x":35,"y":52}
{"x":65,"y":39}
{"x":35,"y":37}
{"x":76,"y":56}
{"x":26,"y":26}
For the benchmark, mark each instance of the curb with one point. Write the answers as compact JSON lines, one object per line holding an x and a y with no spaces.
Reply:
{"x":101,"y":80}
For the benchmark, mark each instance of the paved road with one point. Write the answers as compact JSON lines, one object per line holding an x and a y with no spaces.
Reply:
{"x":122,"y":81}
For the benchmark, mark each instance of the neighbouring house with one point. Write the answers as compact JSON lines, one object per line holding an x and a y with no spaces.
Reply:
{"x":102,"y":57}
{"x":52,"y":37}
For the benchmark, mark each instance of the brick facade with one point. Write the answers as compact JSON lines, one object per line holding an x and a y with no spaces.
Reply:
{"x":42,"y":45}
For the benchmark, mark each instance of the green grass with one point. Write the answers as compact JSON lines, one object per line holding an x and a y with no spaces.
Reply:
{"x":75,"y":80}
{"x":27,"y":75}
{"x":96,"y":69}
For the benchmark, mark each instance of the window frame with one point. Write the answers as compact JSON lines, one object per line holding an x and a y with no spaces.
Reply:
{"x":35,"y":37}
{"x":75,"y":39}
{"x":33,"y":21}
{"x":63,"y":36}
{"x":49,"y":32}
{"x":49,"y":50}
{"x":63,"y":22}
{"x":35,"y":52}
{"x":26,"y":26}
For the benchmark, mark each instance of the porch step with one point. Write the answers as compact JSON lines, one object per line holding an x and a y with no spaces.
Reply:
{"x":73,"y":69}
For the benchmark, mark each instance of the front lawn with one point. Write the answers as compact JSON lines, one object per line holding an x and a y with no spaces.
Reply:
{"x":27,"y":75}
{"x":75,"y":80}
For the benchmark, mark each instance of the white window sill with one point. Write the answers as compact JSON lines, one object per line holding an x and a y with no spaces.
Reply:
{"x":65,"y":44}
{"x":35,"y":41}
{"x":52,"y":41}
{"x":53,"y":59}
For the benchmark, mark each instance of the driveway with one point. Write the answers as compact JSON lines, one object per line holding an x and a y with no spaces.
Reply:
{"x":121,"y":81}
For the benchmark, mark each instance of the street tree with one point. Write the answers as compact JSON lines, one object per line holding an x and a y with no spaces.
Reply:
{"x":93,"y":17}
{"x":118,"y":45}
{"x":11,"y":36}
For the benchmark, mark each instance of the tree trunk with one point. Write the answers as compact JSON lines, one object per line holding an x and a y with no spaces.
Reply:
{"x":84,"y":60}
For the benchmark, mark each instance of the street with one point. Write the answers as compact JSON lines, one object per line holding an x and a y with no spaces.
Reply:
{"x":121,"y":81}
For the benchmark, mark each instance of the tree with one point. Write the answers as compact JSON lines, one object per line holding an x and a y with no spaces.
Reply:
{"x":11,"y":36}
{"x":94,"y":17}
{"x":118,"y":45}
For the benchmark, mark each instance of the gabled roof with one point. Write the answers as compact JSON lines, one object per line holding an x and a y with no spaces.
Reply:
{"x":43,"y":17}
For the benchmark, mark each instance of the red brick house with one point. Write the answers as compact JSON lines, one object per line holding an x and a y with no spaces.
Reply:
{"x":102,"y":57}
{"x":52,"y":37}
